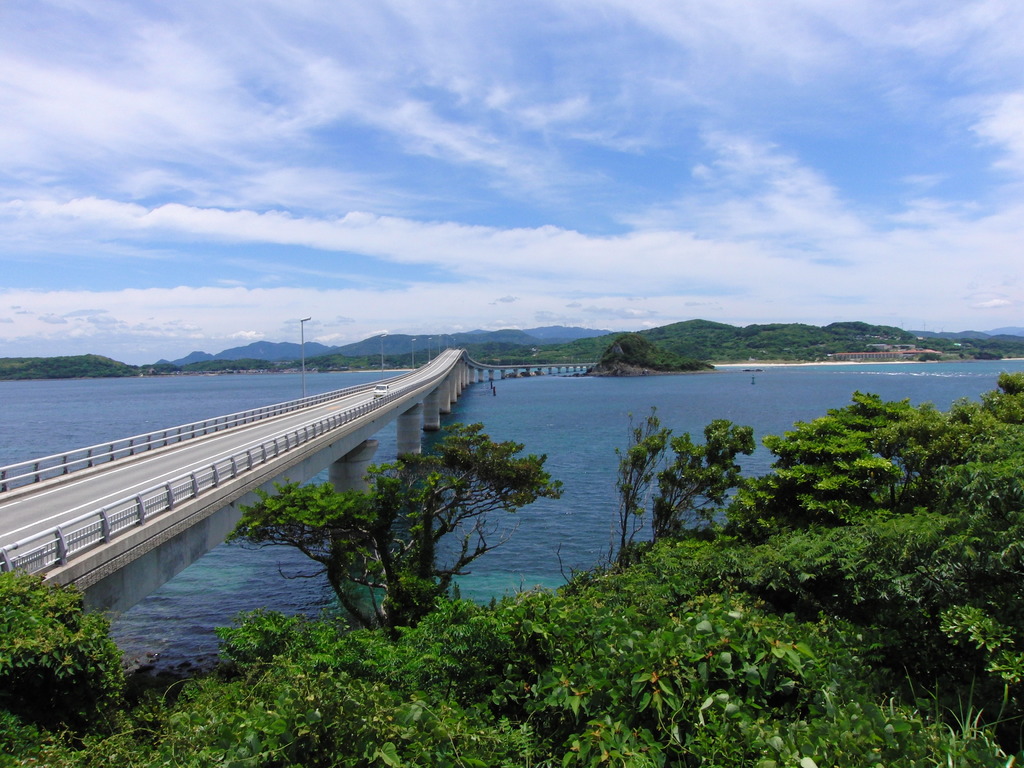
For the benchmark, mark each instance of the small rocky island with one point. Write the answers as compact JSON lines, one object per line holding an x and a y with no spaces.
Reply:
{"x":632,"y":355}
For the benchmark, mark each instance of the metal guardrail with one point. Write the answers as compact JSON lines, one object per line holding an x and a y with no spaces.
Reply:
{"x":57,"y":545}
{"x":36,"y":470}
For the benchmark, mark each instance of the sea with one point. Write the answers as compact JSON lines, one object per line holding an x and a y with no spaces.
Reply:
{"x":577,"y":422}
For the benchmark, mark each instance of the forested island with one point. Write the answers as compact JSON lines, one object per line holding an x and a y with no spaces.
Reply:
{"x":633,"y":355}
{"x":859,"y":604}
{"x":70,"y":367}
{"x":685,"y":346}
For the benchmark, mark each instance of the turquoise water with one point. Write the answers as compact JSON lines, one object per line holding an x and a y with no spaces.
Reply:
{"x":577,"y":422}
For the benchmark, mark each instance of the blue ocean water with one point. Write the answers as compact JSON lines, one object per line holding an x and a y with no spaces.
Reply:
{"x":576,"y":421}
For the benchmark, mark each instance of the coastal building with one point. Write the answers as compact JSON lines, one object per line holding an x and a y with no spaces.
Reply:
{"x":889,"y":353}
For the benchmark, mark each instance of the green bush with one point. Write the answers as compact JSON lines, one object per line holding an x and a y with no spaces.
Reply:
{"x":58,"y":666}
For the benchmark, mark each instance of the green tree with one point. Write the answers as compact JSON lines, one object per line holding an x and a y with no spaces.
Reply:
{"x":857,"y":463}
{"x":699,"y":477}
{"x":638,"y":465}
{"x":690,"y":485}
{"x":873,"y":459}
{"x":389,"y":552}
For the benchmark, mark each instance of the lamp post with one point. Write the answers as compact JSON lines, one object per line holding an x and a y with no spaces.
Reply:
{"x":302,"y":349}
{"x":429,"y":339}
{"x":412,"y":344}
{"x":382,"y":354}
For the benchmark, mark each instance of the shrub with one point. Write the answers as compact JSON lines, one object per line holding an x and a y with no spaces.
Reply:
{"x":58,"y":665}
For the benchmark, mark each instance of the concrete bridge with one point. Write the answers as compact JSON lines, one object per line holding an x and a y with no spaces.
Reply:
{"x":479,"y":371}
{"x":120,"y":519}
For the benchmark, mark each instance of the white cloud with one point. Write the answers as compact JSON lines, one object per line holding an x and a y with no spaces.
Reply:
{"x":406,"y":164}
{"x":246,"y":335}
{"x":1002,"y":124}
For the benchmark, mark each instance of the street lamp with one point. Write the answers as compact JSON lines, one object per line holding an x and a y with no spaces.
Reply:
{"x":382,"y":353}
{"x":429,"y":339}
{"x":412,"y":343}
{"x":302,"y":348}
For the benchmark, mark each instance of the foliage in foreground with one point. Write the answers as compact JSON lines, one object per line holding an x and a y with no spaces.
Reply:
{"x":546,"y":681}
{"x":59,"y":669}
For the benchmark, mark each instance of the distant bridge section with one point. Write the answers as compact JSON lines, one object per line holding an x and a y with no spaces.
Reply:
{"x":480,"y":371}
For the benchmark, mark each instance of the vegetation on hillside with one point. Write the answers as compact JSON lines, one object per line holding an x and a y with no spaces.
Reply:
{"x":776,"y":341}
{"x":74,"y":367}
{"x":633,"y":355}
{"x":860,"y":604}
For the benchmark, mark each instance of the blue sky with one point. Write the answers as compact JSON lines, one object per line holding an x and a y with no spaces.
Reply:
{"x":184,"y":175}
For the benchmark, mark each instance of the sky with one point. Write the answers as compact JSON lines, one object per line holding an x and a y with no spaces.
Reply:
{"x":184,"y":175}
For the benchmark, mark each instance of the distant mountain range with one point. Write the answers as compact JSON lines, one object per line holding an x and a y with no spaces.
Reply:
{"x":1010,"y":331}
{"x":393,"y":344}
{"x":260,"y":350}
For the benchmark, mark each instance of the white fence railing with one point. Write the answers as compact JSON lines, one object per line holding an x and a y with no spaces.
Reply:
{"x":56,"y":546}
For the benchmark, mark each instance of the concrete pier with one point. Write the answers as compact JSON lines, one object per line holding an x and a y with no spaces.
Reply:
{"x":349,"y":472}
{"x":409,"y":427}
{"x":432,"y":412}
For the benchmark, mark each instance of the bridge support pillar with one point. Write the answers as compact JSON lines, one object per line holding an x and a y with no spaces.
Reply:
{"x":409,"y":430}
{"x":349,"y":472}
{"x":432,"y":411}
{"x":444,"y":397}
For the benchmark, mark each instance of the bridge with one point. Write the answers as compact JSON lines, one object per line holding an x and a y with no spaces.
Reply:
{"x":121,"y":518}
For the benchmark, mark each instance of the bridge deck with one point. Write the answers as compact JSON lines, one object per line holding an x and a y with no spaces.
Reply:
{"x":42,"y":513}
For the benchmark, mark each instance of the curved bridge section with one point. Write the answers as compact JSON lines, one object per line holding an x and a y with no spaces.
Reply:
{"x":120,"y":519}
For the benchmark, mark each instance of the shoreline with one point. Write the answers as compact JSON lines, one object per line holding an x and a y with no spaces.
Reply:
{"x":780,"y":364}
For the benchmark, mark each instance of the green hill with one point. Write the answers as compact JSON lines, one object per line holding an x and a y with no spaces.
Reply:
{"x":73,"y":367}
{"x":775,"y":341}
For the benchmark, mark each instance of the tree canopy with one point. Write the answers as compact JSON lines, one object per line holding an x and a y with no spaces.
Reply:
{"x":390,"y":551}
{"x":672,"y":483}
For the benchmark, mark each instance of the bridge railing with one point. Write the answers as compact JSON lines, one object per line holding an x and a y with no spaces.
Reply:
{"x":36,"y":470}
{"x":56,"y":546}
